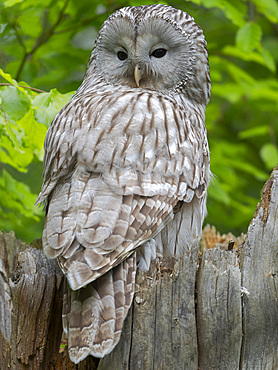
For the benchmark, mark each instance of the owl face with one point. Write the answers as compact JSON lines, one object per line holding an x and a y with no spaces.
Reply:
{"x":147,"y":53}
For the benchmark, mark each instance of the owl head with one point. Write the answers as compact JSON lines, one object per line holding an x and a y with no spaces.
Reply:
{"x":153,"y":47}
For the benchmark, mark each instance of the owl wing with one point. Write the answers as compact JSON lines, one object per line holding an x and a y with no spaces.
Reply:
{"x":116,"y":164}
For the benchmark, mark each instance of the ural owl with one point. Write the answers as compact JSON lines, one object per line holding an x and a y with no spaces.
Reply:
{"x":126,"y":156}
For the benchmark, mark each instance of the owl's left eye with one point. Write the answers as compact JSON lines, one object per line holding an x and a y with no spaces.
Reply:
{"x":122,"y":55}
{"x":159,"y":53}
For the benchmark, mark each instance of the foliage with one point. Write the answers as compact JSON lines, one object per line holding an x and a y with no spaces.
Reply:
{"x":47,"y":44}
{"x":23,"y":125}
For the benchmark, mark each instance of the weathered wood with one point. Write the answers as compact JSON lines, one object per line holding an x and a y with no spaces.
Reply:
{"x":219,"y":317}
{"x":259,"y":267}
{"x":9,"y":248}
{"x":211,"y":308}
{"x":160,"y":331}
{"x":30,"y":329}
{"x":36,"y":293}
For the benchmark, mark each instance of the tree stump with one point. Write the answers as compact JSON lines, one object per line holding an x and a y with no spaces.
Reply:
{"x":216,"y":307}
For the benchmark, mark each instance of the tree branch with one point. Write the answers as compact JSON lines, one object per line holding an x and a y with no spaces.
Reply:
{"x":24,"y":87}
{"x":251,"y":11}
{"x":84,"y":22}
{"x":76,"y":26}
{"x":42,"y":39}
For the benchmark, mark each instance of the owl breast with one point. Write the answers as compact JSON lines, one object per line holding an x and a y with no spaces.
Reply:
{"x":138,"y":141}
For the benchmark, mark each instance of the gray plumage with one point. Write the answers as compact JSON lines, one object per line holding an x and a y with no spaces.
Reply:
{"x":127,"y":155}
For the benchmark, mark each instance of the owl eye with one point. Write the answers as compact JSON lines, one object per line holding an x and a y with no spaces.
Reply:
{"x":122,"y":55}
{"x":159,"y":53}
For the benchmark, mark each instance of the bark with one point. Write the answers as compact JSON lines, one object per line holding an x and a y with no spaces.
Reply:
{"x":214,"y":308}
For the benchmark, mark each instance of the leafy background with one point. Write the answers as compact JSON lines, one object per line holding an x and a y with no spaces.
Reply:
{"x":46,"y":44}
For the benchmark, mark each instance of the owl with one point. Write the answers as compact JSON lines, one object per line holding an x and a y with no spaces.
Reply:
{"x":125,"y":157}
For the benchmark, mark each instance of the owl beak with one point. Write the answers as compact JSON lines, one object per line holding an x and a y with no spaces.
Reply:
{"x":137,"y":75}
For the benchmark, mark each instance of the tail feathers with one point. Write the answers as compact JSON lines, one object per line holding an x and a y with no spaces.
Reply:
{"x":93,"y":316}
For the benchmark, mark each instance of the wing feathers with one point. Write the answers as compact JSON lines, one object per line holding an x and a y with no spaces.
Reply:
{"x":90,"y":240}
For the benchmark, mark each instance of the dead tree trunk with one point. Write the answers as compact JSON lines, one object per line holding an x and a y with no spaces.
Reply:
{"x":214,"y":308}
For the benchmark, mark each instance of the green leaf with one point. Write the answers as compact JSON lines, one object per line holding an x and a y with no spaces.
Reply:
{"x":264,"y":90}
{"x":239,"y":75}
{"x":34,"y":132}
{"x":248,"y":168}
{"x":248,"y":37}
{"x":247,"y":56}
{"x":47,"y":105}
{"x":7,"y":77}
{"x":269,"y":8}
{"x":9,"y":154}
{"x":19,"y":194}
{"x":30,"y":22}
{"x":60,"y":100}
{"x":17,"y":211}
{"x":8,"y":3}
{"x":268,"y":59}
{"x":15,"y":102}
{"x":253,"y":132}
{"x":269,"y":154}
{"x":229,"y":91}
{"x":233,"y":11}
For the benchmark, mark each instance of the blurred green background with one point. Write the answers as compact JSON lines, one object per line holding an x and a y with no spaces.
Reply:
{"x":46,"y":45}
